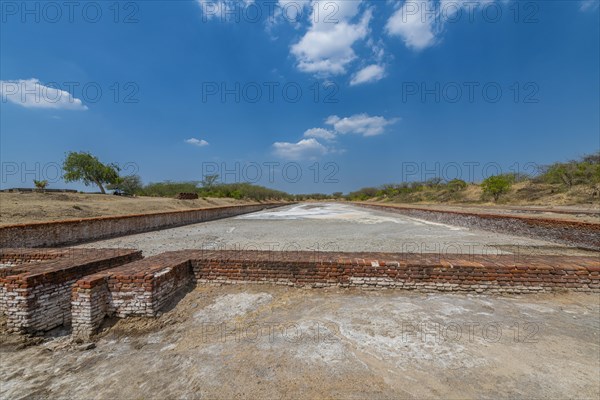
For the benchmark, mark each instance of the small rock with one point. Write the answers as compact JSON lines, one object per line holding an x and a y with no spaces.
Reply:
{"x":87,"y":346}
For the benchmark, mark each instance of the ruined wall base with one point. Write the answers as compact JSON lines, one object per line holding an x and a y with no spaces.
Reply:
{"x":144,"y":287}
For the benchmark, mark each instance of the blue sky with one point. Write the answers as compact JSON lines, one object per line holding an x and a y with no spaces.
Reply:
{"x":304,"y":96}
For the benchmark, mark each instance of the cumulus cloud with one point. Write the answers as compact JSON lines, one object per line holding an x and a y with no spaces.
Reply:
{"x":197,"y":142}
{"x":420,"y":23}
{"x":589,"y":5}
{"x":304,"y":149}
{"x":360,"y":124}
{"x":333,"y":28}
{"x":320,"y":133}
{"x":370,"y":73}
{"x":414,"y":24}
{"x":310,"y":148}
{"x":30,"y":93}
{"x":326,"y":48}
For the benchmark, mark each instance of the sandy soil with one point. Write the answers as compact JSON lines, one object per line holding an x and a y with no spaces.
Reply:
{"x":262,"y":341}
{"x":18,"y":208}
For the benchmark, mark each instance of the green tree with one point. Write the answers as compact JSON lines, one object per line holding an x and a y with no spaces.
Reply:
{"x":496,"y":185}
{"x":40,"y":185}
{"x":560,"y":173}
{"x":170,"y":189}
{"x":363,"y":194}
{"x":131,"y":184}
{"x":575,"y":172}
{"x":88,"y":169}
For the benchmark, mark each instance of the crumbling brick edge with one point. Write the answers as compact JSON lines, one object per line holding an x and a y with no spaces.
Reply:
{"x":36,"y":285}
{"x":585,"y":235}
{"x":71,"y":232}
{"x":142,"y":288}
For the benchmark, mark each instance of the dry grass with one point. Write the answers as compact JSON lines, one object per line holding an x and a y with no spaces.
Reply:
{"x":520,"y":194}
{"x":38,"y":207}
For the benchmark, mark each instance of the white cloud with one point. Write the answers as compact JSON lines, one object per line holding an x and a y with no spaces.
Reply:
{"x":370,"y":73}
{"x":334,"y":28}
{"x":304,"y":149}
{"x":320,"y":133}
{"x":30,"y":93}
{"x":197,"y":142}
{"x":311,"y":148}
{"x":420,"y":23}
{"x":326,"y":48}
{"x":361,"y":124}
{"x":415,"y":24}
{"x":588,"y":5}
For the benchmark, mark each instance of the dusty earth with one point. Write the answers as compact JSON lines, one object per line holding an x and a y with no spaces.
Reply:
{"x":265,"y":341}
{"x":334,"y":227}
{"x":260,"y":341}
{"x":17,"y":208}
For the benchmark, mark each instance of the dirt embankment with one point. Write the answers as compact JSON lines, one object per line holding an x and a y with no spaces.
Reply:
{"x":16,"y":208}
{"x":520,"y":194}
{"x":565,"y":213}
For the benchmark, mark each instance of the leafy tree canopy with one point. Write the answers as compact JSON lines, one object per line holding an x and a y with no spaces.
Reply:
{"x":496,"y":185}
{"x":86,"y":168}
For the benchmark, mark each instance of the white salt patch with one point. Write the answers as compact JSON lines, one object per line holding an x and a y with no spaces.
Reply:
{"x":232,"y":305}
{"x":324,"y":212}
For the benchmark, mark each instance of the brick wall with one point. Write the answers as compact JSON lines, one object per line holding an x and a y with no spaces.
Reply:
{"x":144,"y":287}
{"x":141,"y":288}
{"x":63,"y":233}
{"x":36,"y":296}
{"x":16,"y":257}
{"x":88,"y":309}
{"x":494,"y":274}
{"x":579,"y":234}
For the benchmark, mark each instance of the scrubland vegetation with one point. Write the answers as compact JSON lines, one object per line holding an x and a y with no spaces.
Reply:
{"x":572,"y":182}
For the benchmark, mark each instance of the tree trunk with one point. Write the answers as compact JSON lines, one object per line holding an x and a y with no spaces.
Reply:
{"x":101,"y":188}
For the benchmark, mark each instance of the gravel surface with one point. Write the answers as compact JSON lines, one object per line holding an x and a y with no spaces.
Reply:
{"x":581,"y":213}
{"x":332,"y":227}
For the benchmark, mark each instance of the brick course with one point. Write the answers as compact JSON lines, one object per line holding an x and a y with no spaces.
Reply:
{"x":70,"y":232}
{"x":143,"y":287}
{"x":36,"y":295}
